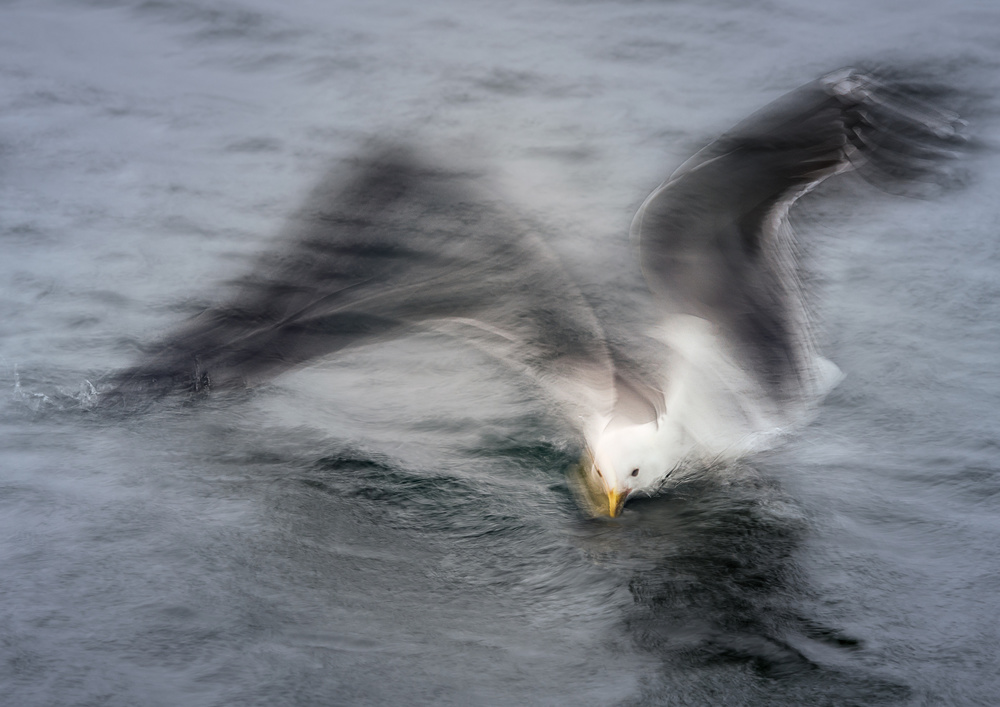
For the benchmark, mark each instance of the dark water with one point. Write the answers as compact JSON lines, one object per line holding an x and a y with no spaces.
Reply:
{"x":394,"y":526}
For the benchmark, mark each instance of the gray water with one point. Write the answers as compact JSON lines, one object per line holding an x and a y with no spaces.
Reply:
{"x":394,"y":525}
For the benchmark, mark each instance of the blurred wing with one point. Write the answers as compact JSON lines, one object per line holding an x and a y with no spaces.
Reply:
{"x":714,"y":239}
{"x":397,"y":245}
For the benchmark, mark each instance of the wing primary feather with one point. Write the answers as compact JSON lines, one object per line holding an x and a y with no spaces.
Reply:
{"x":714,"y":240}
{"x":388,"y":246}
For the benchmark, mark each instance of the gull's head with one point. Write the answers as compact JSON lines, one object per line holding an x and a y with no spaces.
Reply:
{"x":632,"y":460}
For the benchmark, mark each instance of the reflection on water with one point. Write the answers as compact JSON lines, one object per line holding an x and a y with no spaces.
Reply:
{"x":727,"y":579}
{"x":713,"y":570}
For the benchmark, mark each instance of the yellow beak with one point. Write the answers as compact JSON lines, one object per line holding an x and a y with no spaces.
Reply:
{"x":615,"y":502}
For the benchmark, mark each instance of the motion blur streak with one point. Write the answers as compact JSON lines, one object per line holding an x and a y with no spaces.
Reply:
{"x":392,"y":525}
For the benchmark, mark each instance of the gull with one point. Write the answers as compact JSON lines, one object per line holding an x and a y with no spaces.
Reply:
{"x":392,"y":243}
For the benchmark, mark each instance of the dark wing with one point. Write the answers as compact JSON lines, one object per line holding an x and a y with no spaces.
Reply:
{"x":395,"y":245}
{"x":714,"y":240}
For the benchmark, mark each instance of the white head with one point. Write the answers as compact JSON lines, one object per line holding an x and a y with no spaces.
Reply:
{"x":634,"y":459}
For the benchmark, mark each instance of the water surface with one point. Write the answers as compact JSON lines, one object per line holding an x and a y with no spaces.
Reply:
{"x":394,"y":526}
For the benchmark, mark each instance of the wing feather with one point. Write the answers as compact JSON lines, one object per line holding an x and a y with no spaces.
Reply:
{"x":714,"y":240}
{"x":397,"y":245}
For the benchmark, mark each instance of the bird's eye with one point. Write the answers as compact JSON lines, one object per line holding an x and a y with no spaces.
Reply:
{"x":598,"y":472}
{"x":635,"y":472}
